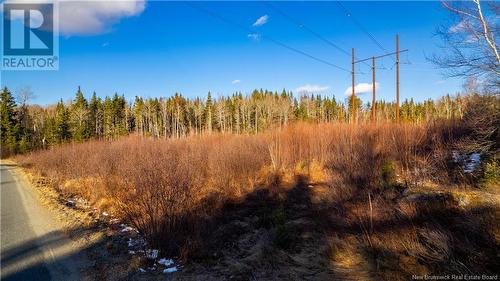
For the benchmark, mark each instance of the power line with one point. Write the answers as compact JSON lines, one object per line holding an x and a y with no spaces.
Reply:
{"x":304,"y":53}
{"x":250,"y":31}
{"x":359,"y":25}
{"x":381,"y":56}
{"x":303,"y":26}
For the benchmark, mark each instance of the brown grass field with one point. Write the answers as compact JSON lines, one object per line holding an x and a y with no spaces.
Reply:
{"x":307,"y":202}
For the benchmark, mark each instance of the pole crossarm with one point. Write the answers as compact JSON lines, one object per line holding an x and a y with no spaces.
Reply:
{"x":374,"y":84}
{"x":381,"y":56}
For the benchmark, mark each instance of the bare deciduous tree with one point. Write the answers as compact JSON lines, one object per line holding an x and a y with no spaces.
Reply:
{"x":470,"y":47}
{"x":24,"y":95}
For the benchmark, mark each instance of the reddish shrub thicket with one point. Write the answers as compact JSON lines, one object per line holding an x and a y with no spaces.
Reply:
{"x":168,"y":187}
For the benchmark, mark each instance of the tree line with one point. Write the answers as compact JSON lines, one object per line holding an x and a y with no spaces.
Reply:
{"x":25,"y":127}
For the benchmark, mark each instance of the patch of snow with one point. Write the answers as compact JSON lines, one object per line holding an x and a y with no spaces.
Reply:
{"x":170,"y":269}
{"x":131,"y":252}
{"x":470,"y":162}
{"x":166,"y":262}
{"x":152,"y":253}
{"x":137,"y":243}
{"x":473,"y":161}
{"x":105,"y":214}
{"x":127,"y":229}
{"x":142,"y":269}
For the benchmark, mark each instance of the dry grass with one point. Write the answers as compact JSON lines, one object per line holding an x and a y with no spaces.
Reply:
{"x":283,"y":192}
{"x":158,"y":184}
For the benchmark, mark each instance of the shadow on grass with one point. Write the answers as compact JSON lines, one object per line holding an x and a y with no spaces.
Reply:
{"x":280,"y":234}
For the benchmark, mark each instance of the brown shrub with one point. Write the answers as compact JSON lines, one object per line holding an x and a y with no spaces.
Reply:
{"x":170,"y":188}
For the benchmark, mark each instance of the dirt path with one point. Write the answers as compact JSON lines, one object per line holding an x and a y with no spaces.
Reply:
{"x":34,"y":245}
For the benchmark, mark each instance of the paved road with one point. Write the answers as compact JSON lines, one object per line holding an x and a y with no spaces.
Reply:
{"x":33,"y":247}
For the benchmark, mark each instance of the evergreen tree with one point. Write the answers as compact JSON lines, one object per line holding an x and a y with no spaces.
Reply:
{"x":62,"y":123}
{"x":79,"y":112}
{"x":108,"y":117}
{"x":119,"y":118}
{"x":8,"y":126}
{"x":25,"y":127}
{"x":208,"y":113}
{"x":50,"y":133}
{"x":95,"y":117}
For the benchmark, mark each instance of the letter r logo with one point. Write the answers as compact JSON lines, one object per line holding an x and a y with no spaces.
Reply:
{"x":28,"y":29}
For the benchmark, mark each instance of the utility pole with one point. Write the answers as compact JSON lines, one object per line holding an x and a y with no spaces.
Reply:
{"x":373,"y":87}
{"x":353,"y":110}
{"x":397,"y":78}
{"x":374,"y":110}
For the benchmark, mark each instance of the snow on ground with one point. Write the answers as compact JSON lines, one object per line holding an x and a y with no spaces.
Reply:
{"x":166,"y":262}
{"x":127,"y":229}
{"x":169,"y":264}
{"x":473,"y":161}
{"x":152,"y":253}
{"x":170,"y":269}
{"x":73,"y":202}
{"x":136,"y":245}
{"x":469,"y":162}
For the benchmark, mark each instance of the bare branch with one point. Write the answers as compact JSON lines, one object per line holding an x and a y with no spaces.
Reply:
{"x":469,"y":45}
{"x":458,"y":11}
{"x":486,"y":33}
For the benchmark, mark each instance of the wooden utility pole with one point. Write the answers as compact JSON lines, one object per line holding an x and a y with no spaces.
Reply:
{"x":373,"y":87}
{"x":353,"y":110}
{"x":374,"y":110}
{"x":397,"y":78}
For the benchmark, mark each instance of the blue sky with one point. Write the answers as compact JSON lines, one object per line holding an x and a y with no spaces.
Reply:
{"x":155,"y":49}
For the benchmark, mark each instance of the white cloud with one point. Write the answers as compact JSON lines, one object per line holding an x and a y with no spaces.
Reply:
{"x":236,"y":81}
{"x":471,"y":39}
{"x":362,"y":88}
{"x":254,"y":36}
{"x":309,"y":89}
{"x":93,"y":17}
{"x":261,"y":21}
{"x":459,"y":27}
